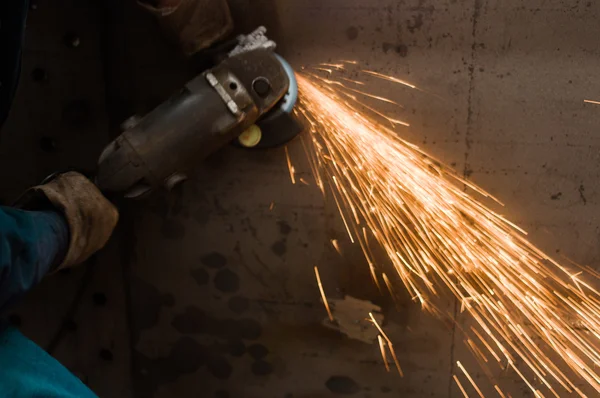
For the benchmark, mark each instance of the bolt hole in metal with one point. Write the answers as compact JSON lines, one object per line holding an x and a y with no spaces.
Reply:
{"x":233,"y":86}
{"x":48,"y":144}
{"x":39,"y":75}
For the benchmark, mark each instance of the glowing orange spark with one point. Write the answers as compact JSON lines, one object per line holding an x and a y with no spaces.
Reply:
{"x":476,"y":349}
{"x":271,"y":206}
{"x":591,"y":102}
{"x":389,"y":78}
{"x":290,"y":167}
{"x":383,"y":353}
{"x":335,"y":66}
{"x":336,"y":245}
{"x":530,"y":312}
{"x":388,"y":284}
{"x":460,"y":386}
{"x":389,"y":343}
{"x":461,"y":367}
{"x":330,"y":71}
{"x":358,"y":82}
{"x":499,"y":391}
{"x":392,"y":120}
{"x":325,"y":302}
{"x":343,"y":86}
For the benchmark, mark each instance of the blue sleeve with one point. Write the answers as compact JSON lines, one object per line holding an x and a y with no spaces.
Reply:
{"x":31,"y":244}
{"x":27,"y":371}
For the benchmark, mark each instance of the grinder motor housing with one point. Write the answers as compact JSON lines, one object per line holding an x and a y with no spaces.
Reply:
{"x":211,"y":110}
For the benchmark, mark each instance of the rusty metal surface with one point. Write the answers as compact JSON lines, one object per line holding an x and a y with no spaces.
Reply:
{"x":209,"y":292}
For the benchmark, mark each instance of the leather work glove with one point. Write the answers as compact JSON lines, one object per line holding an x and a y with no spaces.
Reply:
{"x":90,"y":216}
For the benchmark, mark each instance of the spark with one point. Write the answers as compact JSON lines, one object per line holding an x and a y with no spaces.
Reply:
{"x":392,"y":121}
{"x":271,"y":206}
{"x":388,"y":284}
{"x":325,"y":302}
{"x":389,"y":78}
{"x":389,"y":344}
{"x":499,"y":391}
{"x":529,"y":312}
{"x":335,"y":66}
{"x":358,"y":82}
{"x":330,"y":71}
{"x":460,"y":386}
{"x":303,"y":181}
{"x":591,"y":102}
{"x":383,"y":353}
{"x":461,"y":367}
{"x":476,"y":349}
{"x":290,"y":166}
{"x":344,"y":87}
{"x":336,"y":245}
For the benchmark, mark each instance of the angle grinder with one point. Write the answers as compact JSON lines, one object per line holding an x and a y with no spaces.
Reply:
{"x":247,"y":100}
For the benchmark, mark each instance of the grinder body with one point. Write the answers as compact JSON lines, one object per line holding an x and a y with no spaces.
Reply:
{"x":211,"y":110}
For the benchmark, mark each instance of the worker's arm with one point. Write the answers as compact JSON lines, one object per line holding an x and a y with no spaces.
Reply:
{"x":32,"y":243}
{"x":59,"y":224}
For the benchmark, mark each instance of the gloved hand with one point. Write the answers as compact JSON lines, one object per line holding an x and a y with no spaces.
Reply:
{"x":194,"y":24}
{"x":91,"y":217}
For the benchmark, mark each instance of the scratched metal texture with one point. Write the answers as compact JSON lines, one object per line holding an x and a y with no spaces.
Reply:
{"x":207,"y":291}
